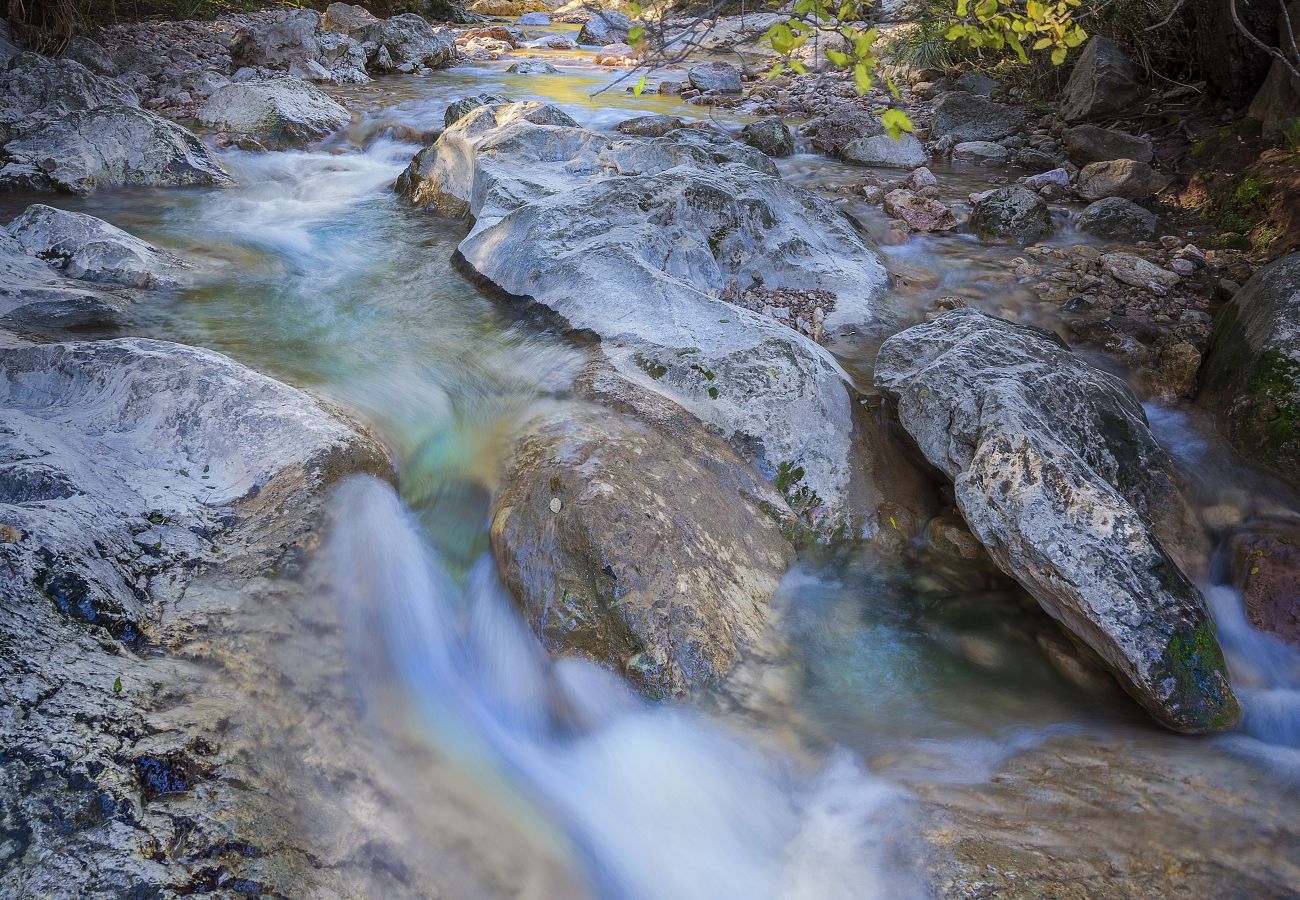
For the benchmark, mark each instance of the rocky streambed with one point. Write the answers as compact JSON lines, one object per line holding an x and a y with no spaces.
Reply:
{"x":667,"y":407}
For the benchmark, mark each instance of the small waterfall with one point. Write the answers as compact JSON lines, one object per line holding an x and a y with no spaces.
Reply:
{"x":658,"y":801}
{"x":1265,"y":672}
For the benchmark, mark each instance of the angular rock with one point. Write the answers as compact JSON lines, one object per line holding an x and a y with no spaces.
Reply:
{"x":715,"y":76}
{"x":842,"y":124}
{"x":92,"y":56}
{"x":975,"y":83}
{"x":605,"y":27}
{"x":532,"y":67}
{"x":280,"y":113}
{"x":1012,"y":212}
{"x":90,"y":249}
{"x":1265,"y":563}
{"x":981,"y":152}
{"x":534,"y":20}
{"x":970,"y":117}
{"x":1118,"y":219}
{"x":1251,"y":376}
{"x":356,"y":22}
{"x":1057,"y":473}
{"x":1091,"y":143}
{"x":920,"y":213}
{"x":295,"y":42}
{"x":1133,"y":270}
{"x":459,"y":108}
{"x":410,"y":40}
{"x":38,"y":299}
{"x":649,"y":126}
{"x":905,"y":152}
{"x":578,"y":534}
{"x":1125,"y":178}
{"x":769,"y":135}
{"x":634,"y":240}
{"x":1104,"y":82}
{"x":1057,"y":177}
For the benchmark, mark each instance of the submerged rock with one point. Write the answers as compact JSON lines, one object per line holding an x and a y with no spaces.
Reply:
{"x":641,"y":257}
{"x":280,"y":113}
{"x":1012,"y":212}
{"x":1103,"y":82}
{"x":1058,"y":475}
{"x":579,"y":534}
{"x":84,"y":247}
{"x":1265,"y":564}
{"x":532,"y":67}
{"x":920,"y":213}
{"x":67,"y":129}
{"x":1251,"y":375}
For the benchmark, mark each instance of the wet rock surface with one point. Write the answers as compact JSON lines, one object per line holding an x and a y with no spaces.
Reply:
{"x":285,"y":112}
{"x":1013,"y":213}
{"x":1056,"y":472}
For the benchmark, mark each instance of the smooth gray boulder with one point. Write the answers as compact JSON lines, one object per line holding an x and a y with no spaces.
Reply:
{"x":577,"y":530}
{"x":1012,"y":212}
{"x":1251,"y":374}
{"x":1091,"y":143}
{"x":534,"y":20}
{"x":715,"y":76}
{"x":605,"y":27}
{"x":532,"y":67}
{"x":277,"y":113}
{"x":971,"y":117}
{"x":90,"y":249}
{"x":1118,"y":219}
{"x":356,"y":22}
{"x":841,"y":125}
{"x":903,"y":152}
{"x":37,"y":299}
{"x":1057,"y":473}
{"x":651,"y":126}
{"x":635,"y":239}
{"x":1125,"y":178}
{"x":769,"y":135}
{"x":982,"y":152}
{"x":63,"y":128}
{"x":1103,"y":82}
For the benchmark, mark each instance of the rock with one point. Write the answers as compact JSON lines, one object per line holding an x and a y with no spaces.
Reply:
{"x":1030,"y":158}
{"x":36,"y":298}
{"x":1265,"y":563}
{"x":1125,"y":178}
{"x":1276,"y":106}
{"x":295,"y":42}
{"x":714,"y":76}
{"x":1012,"y":212}
{"x":649,"y":126}
{"x":8,"y":48}
{"x":90,"y":249}
{"x":503,"y":8}
{"x":1103,"y":82}
{"x":1091,"y":143}
{"x":769,"y":135}
{"x":605,"y":27}
{"x":457,"y":109}
{"x":970,"y":117}
{"x":1058,"y":177}
{"x":975,"y":83}
{"x":920,"y":213}
{"x":534,"y":20}
{"x":905,"y":152}
{"x":92,"y":56}
{"x":356,"y":22}
{"x":1251,"y":376}
{"x":1118,"y":219}
{"x":284,"y":112}
{"x":35,"y":91}
{"x":1056,"y":472}
{"x":413,"y":41}
{"x":556,"y":42}
{"x":921,"y":179}
{"x":980,"y":152}
{"x":594,"y":576}
{"x":635,"y":239}
{"x":1135,"y":271}
{"x":842,"y":124}
{"x":533,"y":67}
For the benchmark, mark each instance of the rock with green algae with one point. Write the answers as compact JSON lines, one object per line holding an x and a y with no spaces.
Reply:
{"x":1251,"y":375}
{"x":1058,"y":475}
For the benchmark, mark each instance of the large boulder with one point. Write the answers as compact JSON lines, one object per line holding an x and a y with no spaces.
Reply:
{"x":971,"y":117}
{"x":411,"y":41}
{"x":841,"y":125}
{"x":1091,"y":143}
{"x":636,"y":241}
{"x":65,"y":129}
{"x":1117,"y":219}
{"x":1276,"y":106}
{"x":1012,"y":212}
{"x":1125,"y":178}
{"x":84,"y":247}
{"x":36,"y":298}
{"x":1104,"y":82}
{"x":356,"y":22}
{"x":1251,"y":375}
{"x":457,"y":109}
{"x":1058,"y":475}
{"x":579,"y":525}
{"x":605,"y":27}
{"x":296,"y":42}
{"x":903,"y":152}
{"x":1133,"y":270}
{"x":715,"y":76}
{"x":279,"y":113}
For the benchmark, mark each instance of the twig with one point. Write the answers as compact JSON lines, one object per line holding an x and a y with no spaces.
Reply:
{"x":1271,"y":51}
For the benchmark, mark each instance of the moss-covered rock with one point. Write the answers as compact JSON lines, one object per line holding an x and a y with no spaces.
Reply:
{"x":1251,"y":375}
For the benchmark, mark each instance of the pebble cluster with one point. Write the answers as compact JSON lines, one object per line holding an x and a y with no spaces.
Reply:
{"x":804,"y":311}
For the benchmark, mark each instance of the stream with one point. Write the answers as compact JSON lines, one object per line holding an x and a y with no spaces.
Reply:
{"x":909,"y":730}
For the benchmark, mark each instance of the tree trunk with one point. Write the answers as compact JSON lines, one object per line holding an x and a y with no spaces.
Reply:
{"x":1233,"y":67}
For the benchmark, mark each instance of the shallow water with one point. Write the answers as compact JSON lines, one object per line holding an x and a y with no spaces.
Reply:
{"x":902,"y":691}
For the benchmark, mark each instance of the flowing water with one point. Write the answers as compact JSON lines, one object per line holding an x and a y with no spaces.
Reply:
{"x":912,"y":716}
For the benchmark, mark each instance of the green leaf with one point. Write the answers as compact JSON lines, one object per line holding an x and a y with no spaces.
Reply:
{"x":1034,"y":10}
{"x":963,"y":7}
{"x":634,"y":34}
{"x":797,"y":67}
{"x":838,"y":58}
{"x":987,"y":9}
{"x":895,"y":122}
{"x":639,"y":87}
{"x":955,"y":33}
{"x":1058,"y":56}
{"x":1018,"y":47}
{"x":861,"y":79}
{"x":776,"y":69}
{"x":117,"y":685}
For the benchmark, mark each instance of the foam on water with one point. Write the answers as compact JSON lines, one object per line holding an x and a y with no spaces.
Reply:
{"x":657,"y":800}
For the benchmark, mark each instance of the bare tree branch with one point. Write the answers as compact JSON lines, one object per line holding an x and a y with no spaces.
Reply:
{"x":1271,"y":51}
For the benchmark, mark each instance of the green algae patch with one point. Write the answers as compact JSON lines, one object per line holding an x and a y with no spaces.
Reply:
{"x":1202,"y":699}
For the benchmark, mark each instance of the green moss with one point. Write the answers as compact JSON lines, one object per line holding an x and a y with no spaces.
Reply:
{"x":1196,"y":662}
